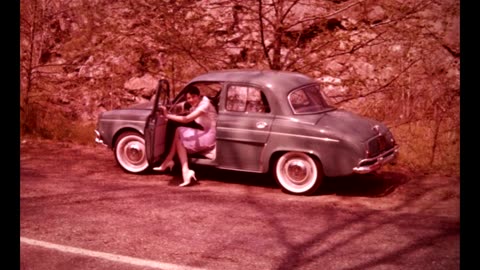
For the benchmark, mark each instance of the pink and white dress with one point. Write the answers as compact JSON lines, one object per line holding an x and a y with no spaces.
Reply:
{"x":196,"y":140}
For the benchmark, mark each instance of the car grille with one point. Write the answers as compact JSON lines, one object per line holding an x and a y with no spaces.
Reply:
{"x":380,"y":144}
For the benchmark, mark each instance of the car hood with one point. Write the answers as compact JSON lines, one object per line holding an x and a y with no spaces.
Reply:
{"x":135,"y":112}
{"x":143,"y":105}
{"x":349,"y":124}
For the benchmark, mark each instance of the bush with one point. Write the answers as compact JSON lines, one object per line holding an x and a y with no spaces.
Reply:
{"x":56,"y":126}
{"x":419,"y":151}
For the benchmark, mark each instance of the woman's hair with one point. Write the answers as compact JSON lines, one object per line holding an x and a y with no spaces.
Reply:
{"x":192,"y":90}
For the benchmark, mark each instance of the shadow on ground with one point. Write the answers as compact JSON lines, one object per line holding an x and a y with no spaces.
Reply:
{"x":368,"y":185}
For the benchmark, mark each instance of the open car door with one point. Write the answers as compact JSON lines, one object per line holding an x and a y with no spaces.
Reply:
{"x":156,"y":124}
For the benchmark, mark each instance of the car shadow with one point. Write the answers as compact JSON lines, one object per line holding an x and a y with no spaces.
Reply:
{"x":236,"y":177}
{"x":378,"y":184}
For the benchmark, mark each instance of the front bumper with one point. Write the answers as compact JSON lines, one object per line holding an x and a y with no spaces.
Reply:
{"x":98,"y":138}
{"x":372,"y":164}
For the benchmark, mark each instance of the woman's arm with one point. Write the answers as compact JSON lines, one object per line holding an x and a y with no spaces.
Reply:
{"x":183,"y":118}
{"x":178,"y":108}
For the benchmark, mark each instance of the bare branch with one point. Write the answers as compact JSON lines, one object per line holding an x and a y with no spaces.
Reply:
{"x":343,"y":9}
{"x":405,"y":16}
{"x":316,"y":18}
{"x":254,"y":10}
{"x":288,"y":10}
{"x":445,"y":46}
{"x":381,"y":88}
{"x":355,"y":47}
{"x":199,"y":63}
{"x":262,"y":34}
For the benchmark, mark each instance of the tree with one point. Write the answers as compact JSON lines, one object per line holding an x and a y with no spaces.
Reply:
{"x":33,"y":19}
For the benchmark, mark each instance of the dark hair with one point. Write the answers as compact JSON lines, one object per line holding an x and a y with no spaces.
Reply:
{"x":192,"y":90}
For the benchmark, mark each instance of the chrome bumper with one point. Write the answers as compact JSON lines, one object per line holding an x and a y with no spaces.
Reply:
{"x":98,"y":138}
{"x":373,"y":164}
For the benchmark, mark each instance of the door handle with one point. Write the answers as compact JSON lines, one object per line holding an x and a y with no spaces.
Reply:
{"x":261,"y":124}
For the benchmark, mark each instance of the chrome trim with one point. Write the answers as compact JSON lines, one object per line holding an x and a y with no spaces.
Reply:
{"x":379,"y":161}
{"x":261,"y":124}
{"x":281,"y":133}
{"x":98,"y":138}
{"x":306,"y":137}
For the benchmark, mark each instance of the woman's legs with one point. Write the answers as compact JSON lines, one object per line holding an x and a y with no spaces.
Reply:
{"x":178,"y":148}
{"x":172,"y":151}
{"x":168,"y":161}
{"x":182,"y":153}
{"x":187,"y":174}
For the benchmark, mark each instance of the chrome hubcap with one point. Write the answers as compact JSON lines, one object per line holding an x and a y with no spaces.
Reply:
{"x":134,"y":152}
{"x":297,"y":171}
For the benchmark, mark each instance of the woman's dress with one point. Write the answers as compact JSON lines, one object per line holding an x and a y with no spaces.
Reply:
{"x":196,"y":140}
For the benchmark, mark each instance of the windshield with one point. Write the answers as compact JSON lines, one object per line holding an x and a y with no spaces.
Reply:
{"x":308,"y":99}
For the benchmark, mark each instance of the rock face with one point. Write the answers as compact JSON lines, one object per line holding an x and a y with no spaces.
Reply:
{"x":144,"y":86}
{"x":122,"y":48}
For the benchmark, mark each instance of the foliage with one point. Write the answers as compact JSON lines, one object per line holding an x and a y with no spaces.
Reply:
{"x":416,"y":150}
{"x":55,"y":125}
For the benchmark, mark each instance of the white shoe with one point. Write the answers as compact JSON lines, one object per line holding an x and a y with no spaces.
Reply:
{"x":187,"y":178}
{"x":164,"y":167}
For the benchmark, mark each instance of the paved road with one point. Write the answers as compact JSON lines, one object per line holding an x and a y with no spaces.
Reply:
{"x":79,"y":210}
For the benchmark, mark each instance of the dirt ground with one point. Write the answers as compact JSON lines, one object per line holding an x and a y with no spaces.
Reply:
{"x":388,"y":220}
{"x":437,"y":194}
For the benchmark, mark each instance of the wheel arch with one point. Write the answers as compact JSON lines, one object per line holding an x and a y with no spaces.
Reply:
{"x":279,"y":152}
{"x":336,"y":160}
{"x":121,"y":131}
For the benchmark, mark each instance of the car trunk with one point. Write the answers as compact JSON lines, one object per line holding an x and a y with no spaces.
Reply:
{"x":348,"y":123}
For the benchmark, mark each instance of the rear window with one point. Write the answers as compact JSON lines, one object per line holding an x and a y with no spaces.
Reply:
{"x":308,"y":99}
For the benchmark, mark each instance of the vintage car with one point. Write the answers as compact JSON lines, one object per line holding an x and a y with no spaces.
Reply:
{"x":268,"y":122}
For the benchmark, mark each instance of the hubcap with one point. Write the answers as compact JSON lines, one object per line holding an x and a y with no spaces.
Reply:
{"x":134,"y":151}
{"x":297,"y":171}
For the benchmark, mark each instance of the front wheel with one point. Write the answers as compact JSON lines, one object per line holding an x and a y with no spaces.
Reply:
{"x":298,"y":173}
{"x":130,"y":152}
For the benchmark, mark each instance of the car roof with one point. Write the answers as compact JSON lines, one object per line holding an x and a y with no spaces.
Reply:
{"x":273,"y":79}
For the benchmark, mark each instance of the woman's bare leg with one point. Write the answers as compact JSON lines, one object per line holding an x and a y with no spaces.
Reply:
{"x":182,"y":154}
{"x":172,"y":151}
{"x":187,"y":174}
{"x":169,"y":158}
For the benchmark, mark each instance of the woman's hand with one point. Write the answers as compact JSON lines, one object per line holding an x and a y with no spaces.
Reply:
{"x":164,"y":110}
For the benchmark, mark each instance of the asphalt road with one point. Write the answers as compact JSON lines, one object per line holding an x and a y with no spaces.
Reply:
{"x":79,"y":210}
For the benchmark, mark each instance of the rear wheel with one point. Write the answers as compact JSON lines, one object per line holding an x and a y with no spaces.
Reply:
{"x":130,"y":152}
{"x":298,"y":173}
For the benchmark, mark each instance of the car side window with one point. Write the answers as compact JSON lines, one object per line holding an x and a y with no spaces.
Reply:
{"x":298,"y":99}
{"x":242,"y":98}
{"x":208,"y":89}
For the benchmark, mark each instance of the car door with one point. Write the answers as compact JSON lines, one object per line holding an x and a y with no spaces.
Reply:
{"x":159,"y":132}
{"x":156,"y":126}
{"x":243,"y":128}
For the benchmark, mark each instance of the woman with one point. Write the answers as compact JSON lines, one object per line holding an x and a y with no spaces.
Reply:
{"x":189,"y":140}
